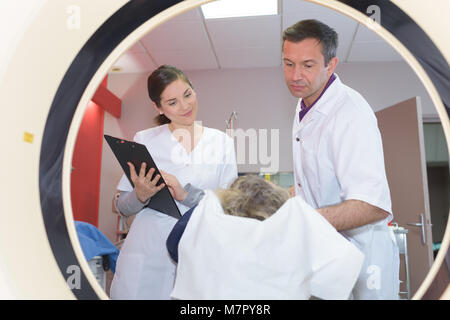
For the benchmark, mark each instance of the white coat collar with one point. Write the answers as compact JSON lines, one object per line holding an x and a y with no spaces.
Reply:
{"x":323,"y":106}
{"x":328,"y":100}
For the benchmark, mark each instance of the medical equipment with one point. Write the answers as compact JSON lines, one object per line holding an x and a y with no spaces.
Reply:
{"x":399,"y":234}
{"x":96,"y":264}
{"x":230,"y":122}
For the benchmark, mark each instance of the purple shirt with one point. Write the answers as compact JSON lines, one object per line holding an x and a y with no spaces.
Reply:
{"x":304,"y":108}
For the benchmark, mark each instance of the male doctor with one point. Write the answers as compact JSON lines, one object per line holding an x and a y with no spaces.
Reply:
{"x":338,"y":155}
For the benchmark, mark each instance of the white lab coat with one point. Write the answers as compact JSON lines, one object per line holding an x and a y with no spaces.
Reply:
{"x":293,"y":254}
{"x":144,"y":269}
{"x":338,"y":156}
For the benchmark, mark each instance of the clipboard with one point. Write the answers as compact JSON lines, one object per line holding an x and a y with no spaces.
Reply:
{"x":136,"y":153}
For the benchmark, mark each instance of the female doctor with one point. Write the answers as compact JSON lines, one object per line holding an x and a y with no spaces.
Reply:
{"x":199,"y":158}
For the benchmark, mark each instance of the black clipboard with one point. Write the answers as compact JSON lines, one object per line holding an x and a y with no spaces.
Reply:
{"x":136,"y":153}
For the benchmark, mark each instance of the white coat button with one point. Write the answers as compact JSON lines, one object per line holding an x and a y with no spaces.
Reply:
{"x":299,"y":185}
{"x":297,"y":139}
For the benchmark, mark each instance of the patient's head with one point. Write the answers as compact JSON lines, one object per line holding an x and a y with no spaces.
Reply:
{"x":253,"y":197}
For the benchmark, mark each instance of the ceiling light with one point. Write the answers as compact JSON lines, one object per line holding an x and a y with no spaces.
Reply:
{"x":239,"y":8}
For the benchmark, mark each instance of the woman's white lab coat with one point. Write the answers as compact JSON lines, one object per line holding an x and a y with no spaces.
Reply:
{"x":338,"y":156}
{"x":144,"y":269}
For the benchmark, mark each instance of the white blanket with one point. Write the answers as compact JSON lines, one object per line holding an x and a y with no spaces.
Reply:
{"x":293,"y":254}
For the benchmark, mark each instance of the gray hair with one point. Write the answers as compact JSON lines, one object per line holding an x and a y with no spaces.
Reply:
{"x":314,"y":29}
{"x":253,"y":197}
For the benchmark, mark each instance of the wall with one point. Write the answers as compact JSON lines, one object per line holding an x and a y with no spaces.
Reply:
{"x":261,"y":100}
{"x":386,"y":83}
{"x":86,"y":166}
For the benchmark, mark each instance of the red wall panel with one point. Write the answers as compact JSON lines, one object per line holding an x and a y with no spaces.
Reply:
{"x":86,"y":164}
{"x":87,"y":156}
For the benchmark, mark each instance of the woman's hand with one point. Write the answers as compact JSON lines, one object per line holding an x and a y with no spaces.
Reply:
{"x":144,"y":186}
{"x":175,"y":188}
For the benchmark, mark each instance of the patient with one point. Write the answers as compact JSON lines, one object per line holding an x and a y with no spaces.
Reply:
{"x":252,"y":197}
{"x":252,"y":241}
{"x":248,"y":196}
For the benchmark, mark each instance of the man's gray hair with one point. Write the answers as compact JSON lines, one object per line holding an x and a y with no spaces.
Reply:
{"x":305,"y":29}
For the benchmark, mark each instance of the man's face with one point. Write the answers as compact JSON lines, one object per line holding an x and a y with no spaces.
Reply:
{"x":304,"y":69}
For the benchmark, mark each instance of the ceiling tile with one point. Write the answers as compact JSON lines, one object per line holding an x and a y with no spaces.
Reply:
{"x":249,"y":57}
{"x":135,"y":62}
{"x":365,"y":34}
{"x":137,"y":47}
{"x":370,"y":51}
{"x":246,"y":42}
{"x":262,"y":31}
{"x":183,"y":44}
{"x":190,"y":15}
{"x":188,"y":59}
{"x":295,"y":10}
{"x":176,"y":36}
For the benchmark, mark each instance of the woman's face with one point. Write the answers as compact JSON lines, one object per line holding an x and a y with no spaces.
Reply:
{"x":179,"y":103}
